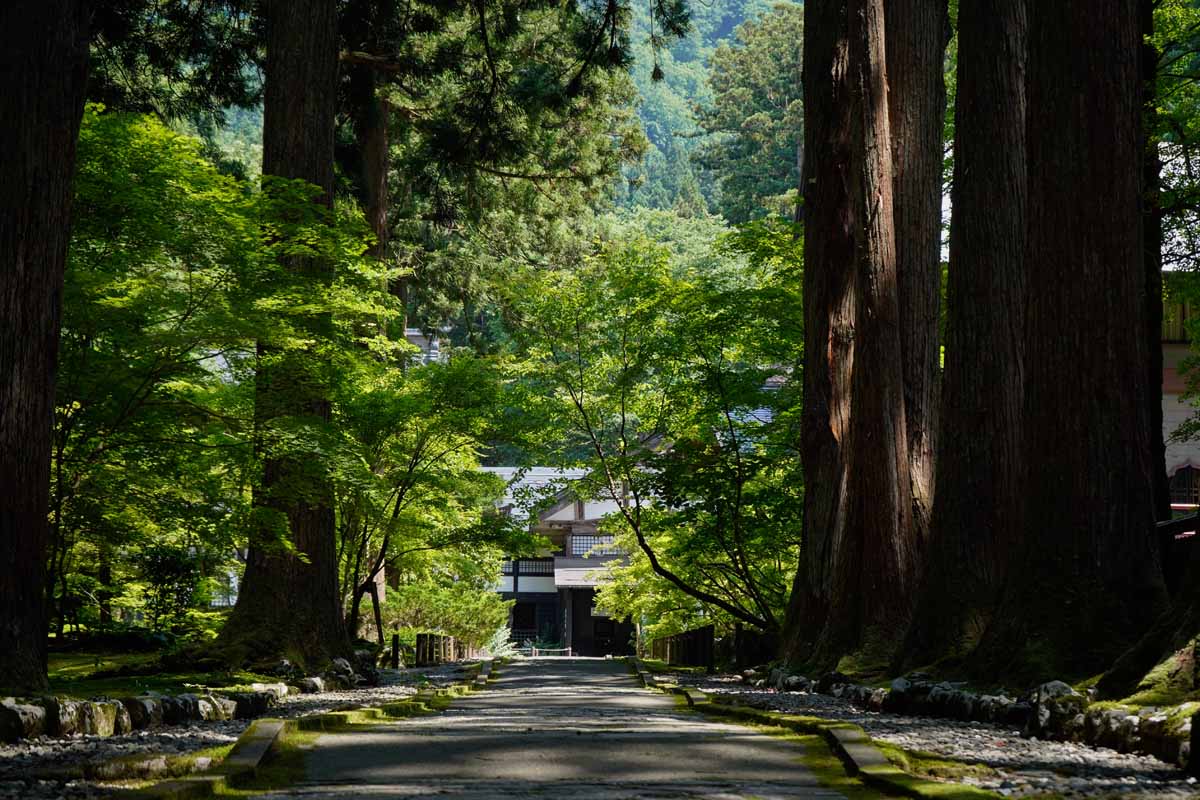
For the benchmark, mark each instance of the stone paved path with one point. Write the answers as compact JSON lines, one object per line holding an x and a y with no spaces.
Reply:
{"x":558,"y":728}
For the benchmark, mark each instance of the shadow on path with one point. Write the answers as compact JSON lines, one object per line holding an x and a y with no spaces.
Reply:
{"x":558,"y":728}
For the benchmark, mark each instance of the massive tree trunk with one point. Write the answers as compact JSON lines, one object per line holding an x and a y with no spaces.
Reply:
{"x":1178,"y":626}
{"x":828,"y":317}
{"x":1152,"y":260}
{"x":43,"y":68}
{"x":877,"y":555}
{"x":290,"y":606}
{"x":860,"y":549}
{"x":979,"y":446}
{"x":1088,"y":581}
{"x":917,"y":34}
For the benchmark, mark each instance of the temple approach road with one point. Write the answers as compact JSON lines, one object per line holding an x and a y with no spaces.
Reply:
{"x":558,"y":728}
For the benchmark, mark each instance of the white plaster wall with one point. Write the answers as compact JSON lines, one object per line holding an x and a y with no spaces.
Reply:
{"x":536,"y":583}
{"x":596,"y":509}
{"x":504,"y":584}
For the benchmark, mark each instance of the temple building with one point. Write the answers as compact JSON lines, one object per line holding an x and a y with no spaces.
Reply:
{"x":555,"y":592}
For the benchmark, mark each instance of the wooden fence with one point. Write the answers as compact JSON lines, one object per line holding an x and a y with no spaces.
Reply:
{"x":693,"y":648}
{"x":434,"y":648}
{"x":701,"y":648}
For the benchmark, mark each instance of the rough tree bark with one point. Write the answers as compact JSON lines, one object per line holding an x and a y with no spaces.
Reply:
{"x":860,"y":551}
{"x":43,"y":68}
{"x":290,"y":606}
{"x":979,"y":445}
{"x":917,"y":34}
{"x":1177,"y":627}
{"x":828,"y":317}
{"x":877,"y":555}
{"x":1088,"y":580}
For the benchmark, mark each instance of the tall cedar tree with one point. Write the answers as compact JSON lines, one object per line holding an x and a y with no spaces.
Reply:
{"x":289,"y":603}
{"x":871,"y":292}
{"x":979,"y":445}
{"x":917,"y":34}
{"x":43,"y":67}
{"x":829,"y":309}
{"x":1177,"y":627}
{"x":860,"y":550}
{"x":1087,"y":580}
{"x":363,"y":22}
{"x":876,"y":555}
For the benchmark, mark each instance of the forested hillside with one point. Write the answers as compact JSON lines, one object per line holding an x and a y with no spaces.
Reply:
{"x":669,"y":175}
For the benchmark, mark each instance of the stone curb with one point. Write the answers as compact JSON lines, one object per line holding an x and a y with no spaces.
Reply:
{"x":264,"y":735}
{"x":240,"y":765}
{"x":849,"y":742}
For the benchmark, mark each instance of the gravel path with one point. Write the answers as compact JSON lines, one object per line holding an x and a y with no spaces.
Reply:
{"x":35,"y":769}
{"x":1024,"y":767}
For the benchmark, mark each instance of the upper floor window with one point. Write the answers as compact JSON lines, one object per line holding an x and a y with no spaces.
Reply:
{"x":596,"y":544}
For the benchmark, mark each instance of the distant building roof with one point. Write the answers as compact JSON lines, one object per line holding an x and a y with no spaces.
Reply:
{"x":524,"y":485}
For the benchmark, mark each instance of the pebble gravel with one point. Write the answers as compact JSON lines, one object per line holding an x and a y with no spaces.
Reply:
{"x":41,"y":769}
{"x":1024,"y":768}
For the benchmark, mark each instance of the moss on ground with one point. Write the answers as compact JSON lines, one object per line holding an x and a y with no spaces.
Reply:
{"x":657,"y":666}
{"x":283,"y":767}
{"x":1171,"y":682}
{"x":933,"y":765}
{"x":81,"y":665}
{"x":83,"y":675}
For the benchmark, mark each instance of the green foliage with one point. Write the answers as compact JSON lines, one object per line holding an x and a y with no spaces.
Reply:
{"x":755,"y":121}
{"x":173,"y":58}
{"x":172,"y":575}
{"x":1176,"y":126}
{"x":175,"y":270}
{"x":407,"y":486}
{"x":500,"y":644}
{"x":683,"y":383}
{"x":450,"y":594}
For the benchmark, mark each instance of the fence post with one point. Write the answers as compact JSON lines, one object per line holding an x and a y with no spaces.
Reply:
{"x":395,"y":651}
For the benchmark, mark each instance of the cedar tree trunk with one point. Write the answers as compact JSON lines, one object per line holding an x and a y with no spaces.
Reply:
{"x":979,"y":446}
{"x":860,"y":551}
{"x":828,"y":317}
{"x":291,"y":606}
{"x":876,"y":554}
{"x":1088,"y":581}
{"x":917,"y":34}
{"x":43,"y":69}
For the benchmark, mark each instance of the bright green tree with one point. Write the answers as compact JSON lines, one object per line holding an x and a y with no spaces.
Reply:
{"x":681,"y":382}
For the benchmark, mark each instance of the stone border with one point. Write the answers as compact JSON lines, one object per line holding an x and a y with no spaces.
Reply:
{"x":858,"y":753}
{"x":265,"y":735}
{"x":1053,"y":711}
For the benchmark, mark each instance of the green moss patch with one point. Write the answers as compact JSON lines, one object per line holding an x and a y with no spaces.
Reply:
{"x":657,"y":666}
{"x":283,"y":766}
{"x":932,"y":765}
{"x":1170,"y":683}
{"x":164,"y":683}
